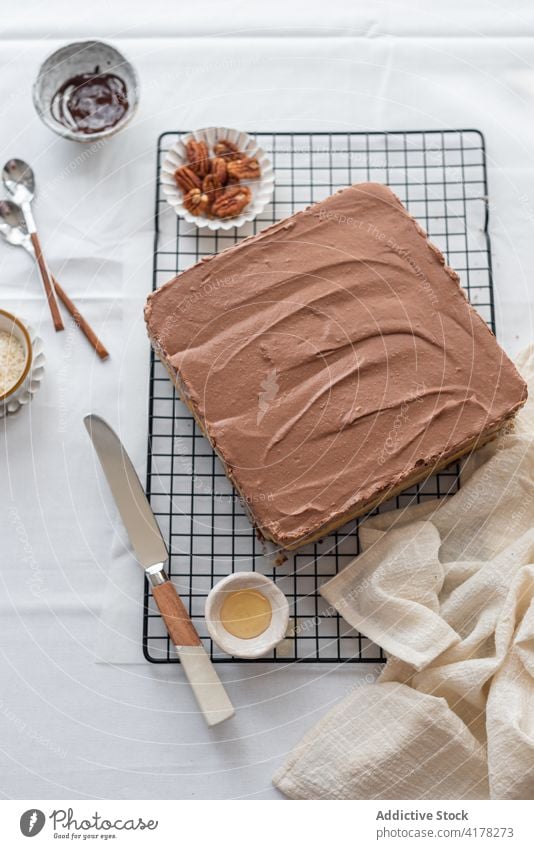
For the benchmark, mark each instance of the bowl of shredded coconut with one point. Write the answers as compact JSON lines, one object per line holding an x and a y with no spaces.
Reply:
{"x":16,"y":354}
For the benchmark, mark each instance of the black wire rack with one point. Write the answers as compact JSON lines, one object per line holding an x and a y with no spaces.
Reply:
{"x":441,"y":177}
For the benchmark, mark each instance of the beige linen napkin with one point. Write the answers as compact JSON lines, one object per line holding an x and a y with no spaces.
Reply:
{"x":447,"y":589}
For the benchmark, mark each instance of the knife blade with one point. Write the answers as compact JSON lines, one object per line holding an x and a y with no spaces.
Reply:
{"x":151,"y":552}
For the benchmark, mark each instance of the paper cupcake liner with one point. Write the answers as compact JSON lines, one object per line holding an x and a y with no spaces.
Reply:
{"x":262,"y":189}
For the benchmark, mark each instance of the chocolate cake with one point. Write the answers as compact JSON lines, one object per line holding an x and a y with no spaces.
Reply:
{"x":332,"y":361}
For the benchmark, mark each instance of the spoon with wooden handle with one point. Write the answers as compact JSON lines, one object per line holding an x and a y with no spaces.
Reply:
{"x":13,"y":229}
{"x":19,"y":180}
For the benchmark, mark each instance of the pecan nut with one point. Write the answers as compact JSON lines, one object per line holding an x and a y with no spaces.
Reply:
{"x":231,"y":201}
{"x":245,"y":168}
{"x":186,"y":179}
{"x":196,"y":202}
{"x":211,"y":187}
{"x":219,"y":170}
{"x":198,"y":157}
{"x":226,"y":148}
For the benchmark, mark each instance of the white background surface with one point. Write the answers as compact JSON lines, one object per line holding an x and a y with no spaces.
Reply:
{"x":71,"y":726}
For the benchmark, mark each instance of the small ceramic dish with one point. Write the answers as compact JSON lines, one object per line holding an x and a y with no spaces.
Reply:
{"x":255,"y":646}
{"x":29,"y":381}
{"x":82,"y":57}
{"x":262,"y":189}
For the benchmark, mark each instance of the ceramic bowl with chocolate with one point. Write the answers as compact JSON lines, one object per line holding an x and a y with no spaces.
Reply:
{"x":86,"y":91}
{"x":217,"y":178}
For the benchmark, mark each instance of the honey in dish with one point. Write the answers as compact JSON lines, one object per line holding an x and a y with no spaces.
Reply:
{"x":246,"y":614}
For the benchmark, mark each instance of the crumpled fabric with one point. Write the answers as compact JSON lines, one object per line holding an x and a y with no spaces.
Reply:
{"x":446,"y":588}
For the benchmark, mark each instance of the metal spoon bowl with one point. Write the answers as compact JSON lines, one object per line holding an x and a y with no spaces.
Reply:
{"x":19,"y":180}
{"x":13,"y":225}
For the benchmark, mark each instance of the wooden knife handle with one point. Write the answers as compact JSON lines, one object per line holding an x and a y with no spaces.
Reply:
{"x":49,"y":289}
{"x":177,"y":620}
{"x":84,"y":325}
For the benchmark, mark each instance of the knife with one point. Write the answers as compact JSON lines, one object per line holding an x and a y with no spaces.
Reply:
{"x":152,"y":555}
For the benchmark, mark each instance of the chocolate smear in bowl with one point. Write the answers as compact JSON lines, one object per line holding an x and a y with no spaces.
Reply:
{"x":91,"y":102}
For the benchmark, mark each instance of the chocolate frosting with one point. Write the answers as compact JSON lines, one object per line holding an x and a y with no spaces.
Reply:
{"x":329,"y":357}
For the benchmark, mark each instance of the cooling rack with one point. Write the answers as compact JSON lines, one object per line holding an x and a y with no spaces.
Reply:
{"x":441,"y":177}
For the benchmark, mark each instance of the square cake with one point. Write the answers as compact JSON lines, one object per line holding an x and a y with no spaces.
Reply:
{"x":332,"y":360}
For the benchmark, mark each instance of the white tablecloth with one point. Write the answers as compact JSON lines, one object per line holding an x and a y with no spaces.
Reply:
{"x":71,"y":726}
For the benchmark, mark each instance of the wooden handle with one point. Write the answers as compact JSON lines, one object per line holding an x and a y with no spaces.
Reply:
{"x":84,"y":325}
{"x":48,"y":287}
{"x":181,"y":630}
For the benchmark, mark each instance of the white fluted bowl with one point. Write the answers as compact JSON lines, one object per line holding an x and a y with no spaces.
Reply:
{"x":262,"y":189}
{"x":22,"y":392}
